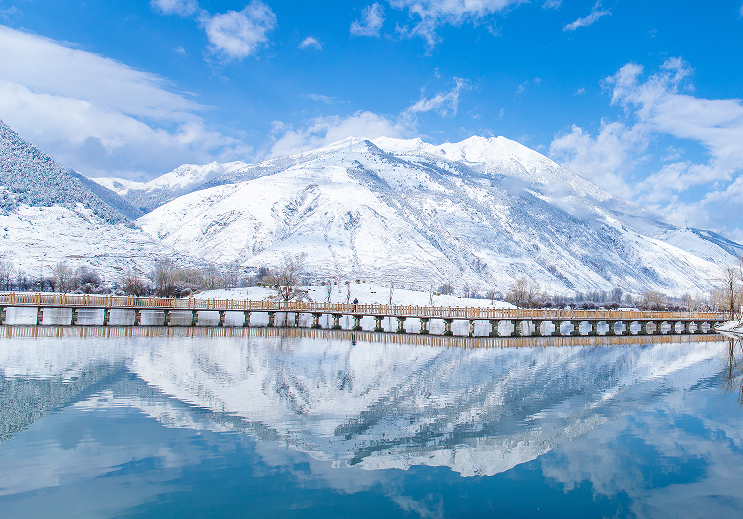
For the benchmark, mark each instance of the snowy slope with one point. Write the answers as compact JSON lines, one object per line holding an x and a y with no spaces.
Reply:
{"x":51,"y":214}
{"x":148,"y":195}
{"x":481,"y":212}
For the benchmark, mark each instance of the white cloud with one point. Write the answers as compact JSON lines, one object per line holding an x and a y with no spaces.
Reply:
{"x":580,"y":91}
{"x":661,"y":105}
{"x":99,"y":116}
{"x":435,"y":13}
{"x":372,"y":18}
{"x":309,"y":41}
{"x":179,"y":7}
{"x":445,"y":103}
{"x":324,"y":99}
{"x":552,"y":4}
{"x":239,"y":34}
{"x":740,"y":12}
{"x":596,"y":13}
{"x":180,"y":50}
{"x":325,"y":130}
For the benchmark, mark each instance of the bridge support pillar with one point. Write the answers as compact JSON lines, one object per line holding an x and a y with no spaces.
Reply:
{"x":424,"y":326}
{"x":594,"y":329}
{"x":336,"y":322}
{"x":194,"y":317}
{"x":494,"y":324}
{"x":713,"y":327}
{"x":378,"y":323}
{"x":699,"y":327}
{"x":516,"y":328}
{"x":222,"y":316}
{"x":357,"y":323}
{"x":627,"y":328}
{"x":2,"y":315}
{"x":74,"y":316}
{"x":643,"y":328}
{"x":296,"y":319}
{"x":576,"y":328}
{"x":246,"y":319}
{"x":106,"y":316}
{"x":39,"y":316}
{"x":658,"y":328}
{"x":137,"y":317}
{"x":472,"y":328}
{"x":538,"y":328}
{"x":611,"y":332}
{"x":166,"y":317}
{"x":316,"y":321}
{"x":271,"y":320}
{"x":557,"y":332}
{"x":400,"y":325}
{"x":447,"y":326}
{"x":687,"y":328}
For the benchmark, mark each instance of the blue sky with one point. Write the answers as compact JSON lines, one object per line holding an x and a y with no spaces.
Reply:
{"x":641,"y":97}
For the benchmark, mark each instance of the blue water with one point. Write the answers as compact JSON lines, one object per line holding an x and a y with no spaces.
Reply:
{"x":301,"y":427}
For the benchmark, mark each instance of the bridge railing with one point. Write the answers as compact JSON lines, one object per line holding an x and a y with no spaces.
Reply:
{"x":412,"y":311}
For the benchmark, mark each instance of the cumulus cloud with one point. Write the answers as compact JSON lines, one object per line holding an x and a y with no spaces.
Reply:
{"x":372,"y":18}
{"x":99,"y":116}
{"x":231,"y":35}
{"x":662,"y":105}
{"x":596,"y":13}
{"x":238,"y":34}
{"x":309,"y":41}
{"x":325,"y":130}
{"x":178,"y":7}
{"x":435,"y":13}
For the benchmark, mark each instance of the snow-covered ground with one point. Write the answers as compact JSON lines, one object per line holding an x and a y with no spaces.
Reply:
{"x":731,"y":326}
{"x":367,"y":293}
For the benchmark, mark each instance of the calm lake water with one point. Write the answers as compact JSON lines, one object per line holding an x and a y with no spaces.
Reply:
{"x":292,"y":426}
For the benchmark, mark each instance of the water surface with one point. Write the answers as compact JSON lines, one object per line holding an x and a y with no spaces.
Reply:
{"x":279,"y":425}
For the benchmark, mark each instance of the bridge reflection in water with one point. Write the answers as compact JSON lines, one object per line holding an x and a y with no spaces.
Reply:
{"x":11,"y":332}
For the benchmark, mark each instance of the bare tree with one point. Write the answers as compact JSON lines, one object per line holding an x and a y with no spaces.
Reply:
{"x":729,"y":292}
{"x":6,"y":274}
{"x":524,"y":292}
{"x":63,"y":277}
{"x":285,"y":279}
{"x":132,"y":283}
{"x":392,"y":290}
{"x":329,"y":289}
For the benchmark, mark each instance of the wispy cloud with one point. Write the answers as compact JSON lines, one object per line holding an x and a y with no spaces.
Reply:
{"x":310,"y":41}
{"x":596,"y":13}
{"x":552,"y":4}
{"x":178,"y":7}
{"x":372,"y":19}
{"x":445,"y":103}
{"x":324,"y":99}
{"x":433,"y":14}
{"x":580,"y":91}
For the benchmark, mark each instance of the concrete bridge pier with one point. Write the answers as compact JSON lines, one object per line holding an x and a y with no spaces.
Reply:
{"x":713,"y":327}
{"x":378,"y":323}
{"x":106,"y":316}
{"x":166,"y":317}
{"x":74,"y":316}
{"x":611,"y":332}
{"x":447,"y":326}
{"x":2,"y":315}
{"x":39,"y":316}
{"x":658,"y":328}
{"x":494,"y":324}
{"x":627,"y":328}
{"x":643,"y":328}
{"x":699,"y":327}
{"x":296,"y":319}
{"x":424,"y":326}
{"x":316,"y":321}
{"x":194,"y":317}
{"x":271,"y":320}
{"x":356,"y":323}
{"x":222,"y":315}
{"x":246,"y":319}
{"x":686,"y":328}
{"x":594,"y":329}
{"x":472,"y":328}
{"x":336,"y":322}
{"x":538,"y":328}
{"x":576,"y":329}
{"x":400,"y":325}
{"x":516,"y":328}
{"x":558,"y":331}
{"x":137,"y":317}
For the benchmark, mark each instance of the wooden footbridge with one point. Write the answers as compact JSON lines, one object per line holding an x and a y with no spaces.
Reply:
{"x":523,"y":322}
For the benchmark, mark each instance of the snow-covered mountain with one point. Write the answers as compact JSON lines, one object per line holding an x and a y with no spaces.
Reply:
{"x":148,"y":195}
{"x":480,"y":212}
{"x":50,"y":214}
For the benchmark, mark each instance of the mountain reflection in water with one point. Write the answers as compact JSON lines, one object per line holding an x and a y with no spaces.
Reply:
{"x":347,"y":408}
